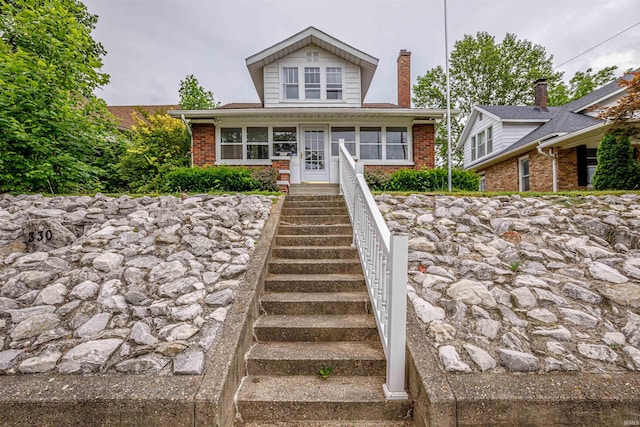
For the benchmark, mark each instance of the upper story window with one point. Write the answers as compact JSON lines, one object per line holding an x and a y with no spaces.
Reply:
{"x":482,"y":144}
{"x":312,"y":82}
{"x":334,"y":82}
{"x":290,"y":82}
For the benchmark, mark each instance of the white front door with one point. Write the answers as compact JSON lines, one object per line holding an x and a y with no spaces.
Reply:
{"x":316,"y":159}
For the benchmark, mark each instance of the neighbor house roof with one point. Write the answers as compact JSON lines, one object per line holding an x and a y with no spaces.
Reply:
{"x":311,"y":36}
{"x":124,"y":113}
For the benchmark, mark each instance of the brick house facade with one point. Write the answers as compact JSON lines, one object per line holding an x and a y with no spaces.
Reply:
{"x":311,"y":88}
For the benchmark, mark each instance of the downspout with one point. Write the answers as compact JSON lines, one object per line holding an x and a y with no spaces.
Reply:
{"x":554,"y":166}
{"x":186,"y":123}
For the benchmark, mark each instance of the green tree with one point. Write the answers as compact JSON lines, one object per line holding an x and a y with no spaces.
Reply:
{"x":55,"y":132}
{"x":483,"y":72}
{"x":616,"y":170}
{"x":582,"y":83}
{"x":625,"y":113}
{"x":195,"y":97}
{"x":159,"y":143}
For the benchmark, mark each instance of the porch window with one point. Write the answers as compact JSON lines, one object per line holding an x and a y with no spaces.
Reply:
{"x":258,"y":143}
{"x":481,"y":146}
{"x":285,"y":141}
{"x":231,"y":143}
{"x":312,"y":82}
{"x":524,"y":174}
{"x":592,"y":163}
{"x":397,"y":143}
{"x":349,"y":136}
{"x":290,"y":82}
{"x":474,"y":148}
{"x":489,"y":139}
{"x":370,"y":143}
{"x":334,"y":82}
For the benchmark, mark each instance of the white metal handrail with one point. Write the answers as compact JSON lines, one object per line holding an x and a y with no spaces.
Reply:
{"x":384,"y":261}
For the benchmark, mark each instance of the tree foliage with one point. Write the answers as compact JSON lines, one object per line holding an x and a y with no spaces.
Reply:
{"x":159,"y":143}
{"x":616,"y":170}
{"x":582,"y":83}
{"x":626,"y":113}
{"x":483,"y":72}
{"x":195,"y":97}
{"x":56,"y":135}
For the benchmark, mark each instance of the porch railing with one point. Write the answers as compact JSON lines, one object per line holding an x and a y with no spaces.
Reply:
{"x":384,"y":261}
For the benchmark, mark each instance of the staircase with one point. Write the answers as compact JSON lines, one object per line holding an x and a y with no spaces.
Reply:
{"x":316,"y":315}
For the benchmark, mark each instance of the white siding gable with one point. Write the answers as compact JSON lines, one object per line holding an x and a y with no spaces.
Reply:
{"x":513,"y":132}
{"x":481,"y":125}
{"x":273,"y":80}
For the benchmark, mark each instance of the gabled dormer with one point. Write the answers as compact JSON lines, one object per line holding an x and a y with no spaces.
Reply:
{"x":311,"y":69}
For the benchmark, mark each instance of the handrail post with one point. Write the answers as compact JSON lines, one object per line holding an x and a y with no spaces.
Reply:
{"x":394,"y":387}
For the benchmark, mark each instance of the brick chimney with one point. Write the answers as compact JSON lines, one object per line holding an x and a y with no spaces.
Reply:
{"x":541,"y":99}
{"x":404,"y":79}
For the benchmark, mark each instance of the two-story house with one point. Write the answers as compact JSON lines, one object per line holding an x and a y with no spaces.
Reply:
{"x":539,"y":147}
{"x":312,"y":88}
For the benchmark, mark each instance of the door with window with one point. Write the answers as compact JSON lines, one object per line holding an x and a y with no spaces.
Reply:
{"x":315,"y":160}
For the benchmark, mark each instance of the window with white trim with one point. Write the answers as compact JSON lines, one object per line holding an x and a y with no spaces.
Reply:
{"x":397,"y":144}
{"x":334,"y":82}
{"x":482,"y":143}
{"x":311,"y":82}
{"x":349,"y":136}
{"x":231,"y":143}
{"x":482,"y":184}
{"x":592,"y":163}
{"x":490,"y":140}
{"x":481,"y":147}
{"x":257,"y":143}
{"x":285,"y":141}
{"x":290,"y":83}
{"x":370,"y":143}
{"x":474,"y":148}
{"x":523,"y":166}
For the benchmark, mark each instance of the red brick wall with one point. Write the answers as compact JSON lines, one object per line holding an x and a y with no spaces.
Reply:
{"x":404,"y":79}
{"x":540,"y":172}
{"x":502,"y":176}
{"x":505,"y":176}
{"x":282,"y":164}
{"x":204,"y":144}
{"x":424,"y":153}
{"x":385,"y":168}
{"x":568,"y":170}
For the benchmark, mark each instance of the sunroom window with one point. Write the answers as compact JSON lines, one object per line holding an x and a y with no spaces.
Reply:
{"x":258,"y":143}
{"x":349,"y":136}
{"x":231,"y":143}
{"x":397,"y":143}
{"x":370,"y":143}
{"x":285,"y":141}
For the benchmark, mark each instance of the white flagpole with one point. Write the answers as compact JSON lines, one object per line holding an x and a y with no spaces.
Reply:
{"x":446,"y":50}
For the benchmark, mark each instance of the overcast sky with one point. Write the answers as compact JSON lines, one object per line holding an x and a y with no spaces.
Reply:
{"x":153,"y":44}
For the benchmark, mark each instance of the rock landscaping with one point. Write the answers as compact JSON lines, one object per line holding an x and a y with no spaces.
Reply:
{"x":129,"y":285}
{"x":515,"y":284}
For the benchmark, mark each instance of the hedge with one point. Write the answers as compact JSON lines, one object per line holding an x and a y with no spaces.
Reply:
{"x":220,"y":178}
{"x":422,"y":180}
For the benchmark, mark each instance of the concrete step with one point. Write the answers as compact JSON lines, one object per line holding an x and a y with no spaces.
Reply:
{"x":329,"y":423}
{"x":316,"y":303}
{"x":293,"y":398}
{"x":315,"y":328}
{"x":288,"y":211}
{"x":315,"y":253}
{"x":315,"y":230}
{"x":305,"y":266}
{"x":314,"y":198}
{"x":314,"y":219}
{"x":350,"y":358}
{"x":329,"y":240}
{"x":314,"y":204}
{"x":310,"y":283}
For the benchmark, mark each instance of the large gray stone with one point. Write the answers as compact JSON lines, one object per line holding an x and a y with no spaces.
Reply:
{"x":542,"y":315}
{"x":108,"y":262}
{"x":605,"y":273}
{"x":177,"y":331}
{"x":44,"y":362}
{"x":634,"y":354}
{"x":627,"y":294}
{"x":90,"y":356}
{"x":34,"y":326}
{"x":597,"y":352}
{"x":480,"y":357}
{"x":523,"y":298}
{"x":167,"y":271}
{"x":560,"y":333}
{"x":94,"y":325}
{"x":578,"y":292}
{"x":19,"y":315}
{"x":141,"y":364}
{"x":517,"y":361}
{"x":450,"y":359}
{"x":471,"y":292}
{"x":180,"y":287}
{"x":9,"y":358}
{"x":427,"y":312}
{"x":46,"y":234}
{"x":578,"y":317}
{"x":183,"y":313}
{"x":141,"y":334}
{"x":85,"y":290}
{"x":52,"y":295}
{"x":189,"y":362}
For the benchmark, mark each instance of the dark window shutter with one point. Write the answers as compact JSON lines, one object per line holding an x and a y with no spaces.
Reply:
{"x":581,"y":151}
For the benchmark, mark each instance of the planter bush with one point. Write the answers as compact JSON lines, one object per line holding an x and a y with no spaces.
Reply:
{"x":220,"y":178}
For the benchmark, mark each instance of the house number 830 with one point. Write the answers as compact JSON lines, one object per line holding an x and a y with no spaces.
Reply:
{"x":39,"y":236}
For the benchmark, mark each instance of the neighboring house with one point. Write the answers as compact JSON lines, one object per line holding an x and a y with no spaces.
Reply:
{"x":311,"y":88}
{"x":537,"y":148}
{"x":124,"y":113}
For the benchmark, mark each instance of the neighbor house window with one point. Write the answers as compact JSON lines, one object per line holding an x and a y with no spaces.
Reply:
{"x":397,"y":143}
{"x":482,"y":185}
{"x":285,"y":141}
{"x":312,"y":83}
{"x":334,"y":83}
{"x":474,"y":148}
{"x":592,"y":162}
{"x":258,"y":143}
{"x":290,"y":82}
{"x":481,"y":146}
{"x":370,"y":143}
{"x":349,"y":136}
{"x":231,"y":143}
{"x":524,"y":174}
{"x":489,"y":139}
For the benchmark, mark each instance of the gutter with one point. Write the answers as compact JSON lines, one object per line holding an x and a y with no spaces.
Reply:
{"x":186,"y":123}
{"x":554,"y":165}
{"x":302,"y":112}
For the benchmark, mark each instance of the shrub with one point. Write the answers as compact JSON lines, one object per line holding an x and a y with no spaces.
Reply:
{"x":616,"y":170}
{"x":265,"y":178}
{"x":219,"y":178}
{"x":377,"y":179}
{"x":425,"y":180}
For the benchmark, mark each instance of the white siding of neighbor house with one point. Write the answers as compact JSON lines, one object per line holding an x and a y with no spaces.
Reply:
{"x":513,"y":132}
{"x":595,"y":110}
{"x":479,"y":126}
{"x":273,"y":97}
